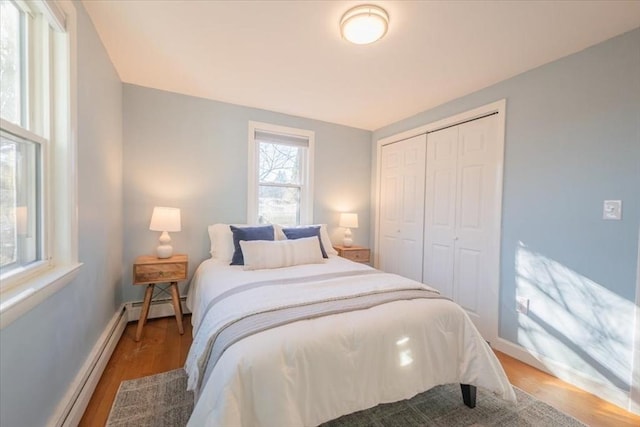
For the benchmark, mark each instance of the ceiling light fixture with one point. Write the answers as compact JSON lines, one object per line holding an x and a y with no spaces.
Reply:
{"x":364,"y":24}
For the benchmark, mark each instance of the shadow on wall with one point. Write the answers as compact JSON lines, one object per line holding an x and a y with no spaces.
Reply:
{"x":573,"y":320}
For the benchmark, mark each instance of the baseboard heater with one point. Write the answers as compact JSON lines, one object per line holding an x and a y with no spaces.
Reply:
{"x":161,"y":307}
{"x":71,"y":408}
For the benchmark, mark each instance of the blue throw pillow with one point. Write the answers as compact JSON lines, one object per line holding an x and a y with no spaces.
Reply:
{"x":264,"y":232}
{"x":301,"y":232}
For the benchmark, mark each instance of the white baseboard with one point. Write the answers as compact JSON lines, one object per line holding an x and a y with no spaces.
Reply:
{"x":75,"y":401}
{"x":566,"y":373}
{"x":159,"y":308}
{"x":519,"y":353}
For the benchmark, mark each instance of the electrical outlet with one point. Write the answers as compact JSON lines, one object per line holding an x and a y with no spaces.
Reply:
{"x":522,"y":305}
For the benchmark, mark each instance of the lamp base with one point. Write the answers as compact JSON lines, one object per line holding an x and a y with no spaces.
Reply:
{"x":347,"y":241}
{"x":164,"y":251}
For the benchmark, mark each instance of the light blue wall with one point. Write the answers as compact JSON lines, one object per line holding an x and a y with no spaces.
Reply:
{"x":572,"y":141}
{"x":191,"y":153}
{"x":42,"y":351}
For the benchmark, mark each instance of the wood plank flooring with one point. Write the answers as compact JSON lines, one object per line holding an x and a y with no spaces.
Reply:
{"x":162,"y":349}
{"x":584,"y":406}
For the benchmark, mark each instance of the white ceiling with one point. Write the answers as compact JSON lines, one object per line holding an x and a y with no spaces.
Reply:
{"x":288,"y":56}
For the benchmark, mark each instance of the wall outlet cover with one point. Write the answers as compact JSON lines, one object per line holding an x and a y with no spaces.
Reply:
{"x":612,"y":209}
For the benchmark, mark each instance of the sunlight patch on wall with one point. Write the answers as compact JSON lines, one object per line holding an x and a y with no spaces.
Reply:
{"x":573,"y":320}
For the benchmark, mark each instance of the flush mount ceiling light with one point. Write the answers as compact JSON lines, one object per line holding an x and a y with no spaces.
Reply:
{"x":364,"y":24}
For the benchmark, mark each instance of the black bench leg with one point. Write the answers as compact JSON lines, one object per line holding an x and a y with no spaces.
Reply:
{"x":469,"y":395}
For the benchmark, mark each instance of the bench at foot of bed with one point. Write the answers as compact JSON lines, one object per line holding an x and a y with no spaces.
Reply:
{"x":469,"y":395}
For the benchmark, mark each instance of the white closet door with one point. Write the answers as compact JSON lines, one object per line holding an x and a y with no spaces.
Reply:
{"x":460,"y":215}
{"x":402,"y":171}
{"x":440,"y":213}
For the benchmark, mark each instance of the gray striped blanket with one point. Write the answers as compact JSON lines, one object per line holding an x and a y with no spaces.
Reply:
{"x":252,"y":322}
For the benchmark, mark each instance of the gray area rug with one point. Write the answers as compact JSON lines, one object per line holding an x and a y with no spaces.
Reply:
{"x":162,"y":401}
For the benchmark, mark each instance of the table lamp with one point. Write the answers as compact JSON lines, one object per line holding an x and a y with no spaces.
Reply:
{"x":348,"y":221}
{"x":165,"y":220}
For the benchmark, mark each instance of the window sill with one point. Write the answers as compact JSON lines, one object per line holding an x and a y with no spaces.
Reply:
{"x":20,"y":299}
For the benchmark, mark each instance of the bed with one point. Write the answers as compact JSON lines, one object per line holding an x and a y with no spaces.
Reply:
{"x":308,"y":339}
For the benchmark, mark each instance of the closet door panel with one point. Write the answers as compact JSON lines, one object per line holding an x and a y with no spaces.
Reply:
{"x":459,"y":214}
{"x":467,"y":284}
{"x":402,"y":207}
{"x":439,"y":268}
{"x":440,"y":192}
{"x":387,"y":262}
{"x":471,"y":196}
{"x":475,"y":205}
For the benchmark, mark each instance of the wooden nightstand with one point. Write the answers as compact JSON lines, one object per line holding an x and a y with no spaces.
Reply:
{"x":150,"y":270}
{"x":354,"y":253}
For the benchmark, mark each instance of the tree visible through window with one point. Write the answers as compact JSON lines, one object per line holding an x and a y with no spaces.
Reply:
{"x":279,"y":183}
{"x":19,"y":156}
{"x":11,"y":54}
{"x":280,"y":190}
{"x":34,"y":124}
{"x":19,"y":200}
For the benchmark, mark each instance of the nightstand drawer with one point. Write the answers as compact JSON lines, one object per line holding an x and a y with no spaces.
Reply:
{"x":154,"y":271}
{"x":354,"y":253}
{"x":357,"y":255}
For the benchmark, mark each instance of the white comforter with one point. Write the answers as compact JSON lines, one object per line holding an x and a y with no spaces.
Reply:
{"x":311,"y":371}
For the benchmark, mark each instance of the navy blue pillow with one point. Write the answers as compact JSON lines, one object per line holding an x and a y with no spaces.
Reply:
{"x":301,"y":232}
{"x":264,"y":232}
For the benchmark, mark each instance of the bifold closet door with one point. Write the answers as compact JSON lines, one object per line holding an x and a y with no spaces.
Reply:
{"x":460,"y":214}
{"x":402,"y":169}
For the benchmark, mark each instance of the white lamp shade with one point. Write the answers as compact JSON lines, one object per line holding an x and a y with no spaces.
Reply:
{"x":165,"y":219}
{"x":364,"y":24}
{"x":348,"y":220}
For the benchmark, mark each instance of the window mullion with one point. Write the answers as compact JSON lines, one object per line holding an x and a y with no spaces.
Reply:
{"x":277,"y":184}
{"x":41,"y":113}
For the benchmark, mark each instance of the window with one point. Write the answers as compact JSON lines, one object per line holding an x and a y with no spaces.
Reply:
{"x":280,"y":171}
{"x":20,"y":197}
{"x":37,"y":152}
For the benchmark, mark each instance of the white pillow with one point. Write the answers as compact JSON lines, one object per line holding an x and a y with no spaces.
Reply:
{"x":324,"y":236}
{"x":261,"y":254}
{"x":221,"y":239}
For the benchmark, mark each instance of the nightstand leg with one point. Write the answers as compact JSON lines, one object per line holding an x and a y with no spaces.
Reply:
{"x":145,"y":310}
{"x":175,"y":296}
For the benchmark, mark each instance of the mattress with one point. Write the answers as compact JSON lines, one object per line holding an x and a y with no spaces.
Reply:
{"x":308,"y":371}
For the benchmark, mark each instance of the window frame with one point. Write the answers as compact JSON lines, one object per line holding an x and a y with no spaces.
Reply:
{"x":16,"y":274}
{"x":306,"y":185}
{"x":52,"y":119}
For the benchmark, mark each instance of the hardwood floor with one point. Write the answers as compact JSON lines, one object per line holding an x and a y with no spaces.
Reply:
{"x":160,"y":349}
{"x":584,"y":406}
{"x":163,"y":349}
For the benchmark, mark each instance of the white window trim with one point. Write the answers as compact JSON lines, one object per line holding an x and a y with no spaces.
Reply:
{"x":306,"y":200}
{"x":24,"y":291}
